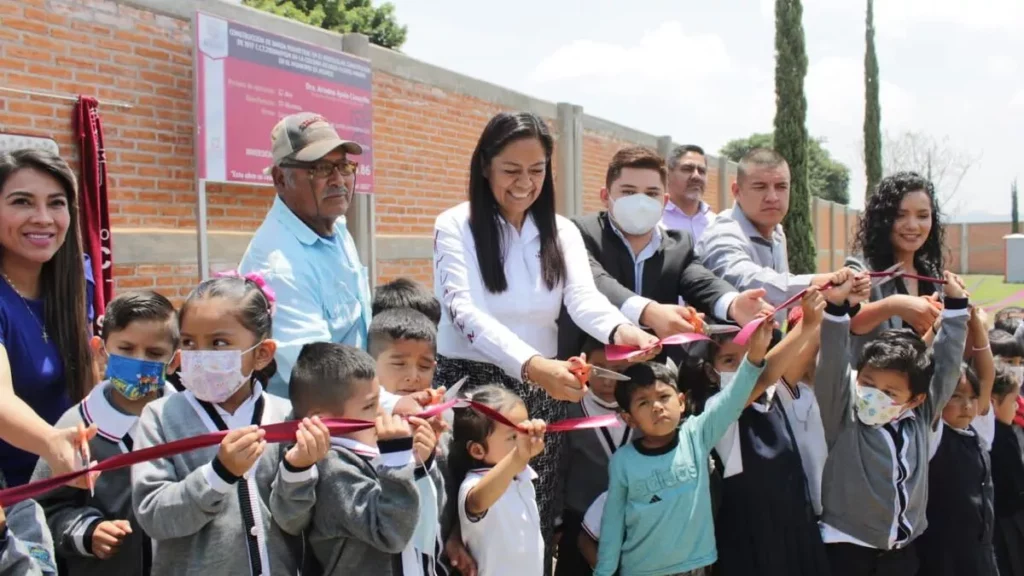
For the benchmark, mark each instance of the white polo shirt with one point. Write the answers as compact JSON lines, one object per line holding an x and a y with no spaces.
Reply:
{"x":506,"y":540}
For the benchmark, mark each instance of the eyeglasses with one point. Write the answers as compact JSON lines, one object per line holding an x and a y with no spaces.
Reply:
{"x":323,"y":170}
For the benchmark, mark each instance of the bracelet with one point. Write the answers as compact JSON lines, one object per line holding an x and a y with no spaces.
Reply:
{"x":611,"y":335}
{"x":982,"y":349}
{"x":524,"y":372}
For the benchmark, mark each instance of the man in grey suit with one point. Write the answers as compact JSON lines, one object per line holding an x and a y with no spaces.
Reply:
{"x":644,"y":268}
{"x":746,"y":245}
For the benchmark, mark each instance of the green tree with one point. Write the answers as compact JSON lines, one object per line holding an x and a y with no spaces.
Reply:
{"x":344,"y":16}
{"x":828,"y":178}
{"x":791,"y":130}
{"x":1014,"y":215}
{"x":872,"y":108}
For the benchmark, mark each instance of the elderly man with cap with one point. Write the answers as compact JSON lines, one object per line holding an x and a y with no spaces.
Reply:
{"x":303,"y":249}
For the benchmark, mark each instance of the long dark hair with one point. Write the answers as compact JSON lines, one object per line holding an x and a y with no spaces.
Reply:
{"x":253,"y":311}
{"x":62,"y":280}
{"x":875,"y":231}
{"x":697,"y":377}
{"x":468,"y":426}
{"x":484,"y":215}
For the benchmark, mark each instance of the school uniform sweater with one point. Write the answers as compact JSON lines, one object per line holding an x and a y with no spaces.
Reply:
{"x":1008,"y":480}
{"x":875,"y":483}
{"x":203,"y":519}
{"x":363,"y":511}
{"x":25,"y":545}
{"x":657,"y":519}
{"x":586,"y":464}
{"x":74,"y":514}
{"x":958,"y":541}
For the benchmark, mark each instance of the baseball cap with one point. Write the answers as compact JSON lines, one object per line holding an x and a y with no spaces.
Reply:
{"x":306,"y":137}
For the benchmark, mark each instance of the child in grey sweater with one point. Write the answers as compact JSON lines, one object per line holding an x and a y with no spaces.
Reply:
{"x":96,"y":533}
{"x":364,"y":508}
{"x":877,"y":422}
{"x":26,"y":548}
{"x":208,"y":509}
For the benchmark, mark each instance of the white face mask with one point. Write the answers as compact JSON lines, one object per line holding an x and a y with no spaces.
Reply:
{"x":213,"y":375}
{"x":725,"y":379}
{"x":637,"y":213}
{"x":875,"y":408}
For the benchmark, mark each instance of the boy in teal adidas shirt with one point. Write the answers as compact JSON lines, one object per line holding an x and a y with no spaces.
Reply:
{"x":657,"y":518}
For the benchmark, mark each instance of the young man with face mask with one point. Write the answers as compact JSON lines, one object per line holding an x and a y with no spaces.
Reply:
{"x":643,"y":268}
{"x":874,"y":488}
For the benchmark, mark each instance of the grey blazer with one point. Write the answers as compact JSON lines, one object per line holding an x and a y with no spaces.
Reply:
{"x":879,"y":292}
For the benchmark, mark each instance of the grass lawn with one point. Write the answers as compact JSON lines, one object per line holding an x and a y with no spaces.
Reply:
{"x":992,"y":291}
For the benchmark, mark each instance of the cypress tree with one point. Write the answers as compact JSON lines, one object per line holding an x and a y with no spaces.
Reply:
{"x":872,"y":108}
{"x":791,"y":131}
{"x":1014,"y":215}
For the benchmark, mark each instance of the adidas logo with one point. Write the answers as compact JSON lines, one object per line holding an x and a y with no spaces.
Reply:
{"x":655,"y":499}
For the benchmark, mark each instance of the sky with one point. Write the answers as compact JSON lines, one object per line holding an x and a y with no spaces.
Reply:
{"x":704,"y":72}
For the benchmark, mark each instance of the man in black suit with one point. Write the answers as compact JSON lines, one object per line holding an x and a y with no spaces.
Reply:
{"x":644,"y":268}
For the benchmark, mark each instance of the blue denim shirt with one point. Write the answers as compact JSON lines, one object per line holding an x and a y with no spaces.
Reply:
{"x":322,"y":289}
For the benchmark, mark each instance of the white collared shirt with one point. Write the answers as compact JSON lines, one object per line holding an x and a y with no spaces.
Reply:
{"x":507,"y":329}
{"x":675,"y":219}
{"x":634,"y":306}
{"x":507,"y":539}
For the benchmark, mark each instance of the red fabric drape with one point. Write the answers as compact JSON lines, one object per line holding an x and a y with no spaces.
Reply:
{"x":92,"y":199}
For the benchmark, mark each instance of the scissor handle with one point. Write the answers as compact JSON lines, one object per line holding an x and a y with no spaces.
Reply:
{"x":696,"y":320}
{"x":580,"y":369}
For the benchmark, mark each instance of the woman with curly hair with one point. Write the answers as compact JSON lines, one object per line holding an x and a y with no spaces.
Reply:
{"x":902,"y":223}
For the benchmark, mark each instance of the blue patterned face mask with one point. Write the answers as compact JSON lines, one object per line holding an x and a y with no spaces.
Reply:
{"x":133,"y":378}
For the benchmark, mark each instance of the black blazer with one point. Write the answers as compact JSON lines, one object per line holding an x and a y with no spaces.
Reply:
{"x":672,"y":271}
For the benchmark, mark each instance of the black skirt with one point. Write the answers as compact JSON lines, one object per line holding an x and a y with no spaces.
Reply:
{"x":766,"y":524}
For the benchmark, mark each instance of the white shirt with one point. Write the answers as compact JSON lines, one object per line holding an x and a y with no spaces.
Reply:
{"x":804,"y":417}
{"x":507,"y":539}
{"x":507,"y":329}
{"x":388,"y":401}
{"x":634,"y":306}
{"x":592,"y":519}
{"x":984,"y":427}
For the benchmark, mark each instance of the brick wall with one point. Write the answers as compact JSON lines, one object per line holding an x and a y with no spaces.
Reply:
{"x":423,"y":137}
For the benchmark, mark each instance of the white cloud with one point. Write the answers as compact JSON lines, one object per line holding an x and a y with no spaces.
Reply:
{"x":1017,"y":101}
{"x":835,"y":95}
{"x":617,"y":66}
{"x":979,"y":15}
{"x":1000,"y":65}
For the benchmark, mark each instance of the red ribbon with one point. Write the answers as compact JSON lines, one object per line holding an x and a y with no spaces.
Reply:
{"x":615,"y":352}
{"x":275,"y":433}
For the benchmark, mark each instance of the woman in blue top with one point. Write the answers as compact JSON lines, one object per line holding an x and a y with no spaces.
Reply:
{"x":44,"y":354}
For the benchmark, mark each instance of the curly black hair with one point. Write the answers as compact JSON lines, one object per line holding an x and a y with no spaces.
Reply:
{"x":874,"y":232}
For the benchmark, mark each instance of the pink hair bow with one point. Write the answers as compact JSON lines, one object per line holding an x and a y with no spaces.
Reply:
{"x":257,"y":279}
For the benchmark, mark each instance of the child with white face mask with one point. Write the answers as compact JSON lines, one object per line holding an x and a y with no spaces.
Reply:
{"x":874,"y":488}
{"x":208,"y":509}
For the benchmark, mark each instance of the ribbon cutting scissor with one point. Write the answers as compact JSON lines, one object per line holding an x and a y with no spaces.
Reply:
{"x":584,"y":371}
{"x":896,"y":271}
{"x":706,"y":329}
{"x":86,"y":458}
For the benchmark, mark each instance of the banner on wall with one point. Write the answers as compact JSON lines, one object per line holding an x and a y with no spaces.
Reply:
{"x":248,"y":79}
